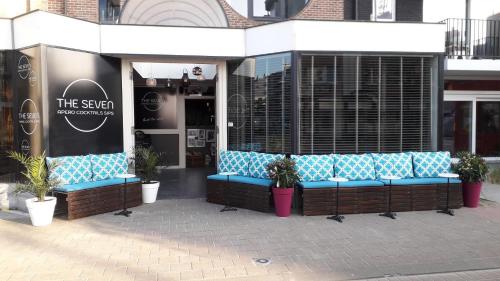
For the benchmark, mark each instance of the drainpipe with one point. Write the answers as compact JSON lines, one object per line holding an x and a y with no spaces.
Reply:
{"x":65,"y":10}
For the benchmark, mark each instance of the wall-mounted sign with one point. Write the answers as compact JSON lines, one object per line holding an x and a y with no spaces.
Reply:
{"x":85,"y":103}
{"x":23,"y":67}
{"x":29,"y":117}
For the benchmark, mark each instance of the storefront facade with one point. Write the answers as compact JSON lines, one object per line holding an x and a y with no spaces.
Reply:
{"x":293,"y":78}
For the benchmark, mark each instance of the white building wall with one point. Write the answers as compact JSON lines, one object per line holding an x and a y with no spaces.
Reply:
{"x":438,"y":10}
{"x":5,"y":34}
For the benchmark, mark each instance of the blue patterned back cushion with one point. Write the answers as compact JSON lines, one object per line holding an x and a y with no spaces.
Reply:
{"x":393,"y":164}
{"x":354,"y":167}
{"x":72,"y":169}
{"x":107,"y":166}
{"x":234,"y":161}
{"x":258,"y":163}
{"x":314,"y":167}
{"x":431,"y":164}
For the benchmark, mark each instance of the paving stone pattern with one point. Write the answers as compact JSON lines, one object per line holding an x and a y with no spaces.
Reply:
{"x":189,"y":239}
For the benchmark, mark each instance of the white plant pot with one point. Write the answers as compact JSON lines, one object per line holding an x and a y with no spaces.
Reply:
{"x":149,"y":192}
{"x":41,"y":213}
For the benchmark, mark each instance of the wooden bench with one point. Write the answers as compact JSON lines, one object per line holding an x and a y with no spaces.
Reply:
{"x":241,"y":195}
{"x":322,"y":201}
{"x":94,"y":201}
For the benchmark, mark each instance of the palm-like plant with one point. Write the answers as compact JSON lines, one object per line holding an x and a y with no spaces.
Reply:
{"x":37,"y":181}
{"x":283,"y":173}
{"x":146,"y":160}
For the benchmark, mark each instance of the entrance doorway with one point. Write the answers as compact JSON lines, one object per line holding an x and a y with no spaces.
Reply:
{"x":174,"y":111}
{"x":175,"y":114}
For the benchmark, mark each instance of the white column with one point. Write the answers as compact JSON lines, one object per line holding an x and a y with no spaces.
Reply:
{"x":221,"y":106}
{"x":128,"y":106}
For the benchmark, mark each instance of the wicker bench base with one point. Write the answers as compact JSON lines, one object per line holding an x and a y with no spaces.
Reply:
{"x":89,"y":202}
{"x":239,"y":195}
{"x":322,"y":201}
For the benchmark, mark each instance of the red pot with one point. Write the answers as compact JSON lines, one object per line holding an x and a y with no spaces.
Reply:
{"x":282,"y":201}
{"x":471,"y":192}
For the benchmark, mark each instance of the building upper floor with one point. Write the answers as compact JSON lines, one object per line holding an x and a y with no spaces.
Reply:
{"x":245,"y":13}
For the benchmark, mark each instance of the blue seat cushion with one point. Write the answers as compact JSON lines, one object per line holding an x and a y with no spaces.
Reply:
{"x":314,"y":167}
{"x":431,"y":164}
{"x":332,"y":184}
{"x":107,"y":166}
{"x":259,"y":162}
{"x":234,"y":161}
{"x":71,"y":169}
{"x":421,"y":181}
{"x":242,"y":179}
{"x":354,"y":167}
{"x":393,"y":164}
{"x":94,"y":184}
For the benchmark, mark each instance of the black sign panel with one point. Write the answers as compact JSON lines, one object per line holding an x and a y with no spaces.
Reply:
{"x":155,"y":109}
{"x":28,"y":101}
{"x":85,"y":103}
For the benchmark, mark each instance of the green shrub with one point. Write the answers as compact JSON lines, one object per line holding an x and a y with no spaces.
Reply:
{"x":471,"y":167}
{"x":494,"y":176}
{"x":283,"y":173}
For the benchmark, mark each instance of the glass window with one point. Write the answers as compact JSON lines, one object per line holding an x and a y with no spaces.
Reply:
{"x":293,"y":7}
{"x":488,"y":128}
{"x":266,"y":8}
{"x":384,"y":10}
{"x":6,"y":115}
{"x":457,"y":126}
{"x":109,"y":11}
{"x":259,"y":104}
{"x":357,"y":104}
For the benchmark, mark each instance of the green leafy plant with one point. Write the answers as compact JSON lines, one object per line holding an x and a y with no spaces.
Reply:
{"x":471,"y":167}
{"x":38,"y":183}
{"x":146,"y":160}
{"x":283,"y":173}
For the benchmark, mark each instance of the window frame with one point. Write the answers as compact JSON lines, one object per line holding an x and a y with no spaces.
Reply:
{"x":282,"y":7}
{"x":374,"y":12}
{"x":474,"y":97}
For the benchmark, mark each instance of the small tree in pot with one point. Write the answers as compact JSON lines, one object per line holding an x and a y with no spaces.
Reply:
{"x":284,"y":176}
{"x":38,"y":183}
{"x":146,"y":162}
{"x":472,"y":170}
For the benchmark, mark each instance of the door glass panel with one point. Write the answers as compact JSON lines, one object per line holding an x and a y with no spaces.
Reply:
{"x":457,"y":126}
{"x":488,"y":128}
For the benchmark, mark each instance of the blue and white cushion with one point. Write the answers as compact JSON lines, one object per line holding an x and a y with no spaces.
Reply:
{"x":314,"y":167}
{"x":71,"y":169}
{"x":234,"y":161}
{"x":107,"y":166}
{"x":259,"y":162}
{"x":354,"y":167}
{"x":431,"y":164}
{"x":393,"y":164}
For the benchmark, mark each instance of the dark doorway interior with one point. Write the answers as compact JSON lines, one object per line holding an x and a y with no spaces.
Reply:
{"x":201,"y":141}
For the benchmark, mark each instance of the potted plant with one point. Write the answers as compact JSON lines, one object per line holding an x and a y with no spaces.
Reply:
{"x":38,"y":183}
{"x":472,"y":170}
{"x":284,"y":176}
{"x":146,"y":162}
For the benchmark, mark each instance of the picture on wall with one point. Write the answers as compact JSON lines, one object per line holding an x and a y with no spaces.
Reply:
{"x":201,"y":134}
{"x":200,"y":143}
{"x":192,"y":133}
{"x":210,"y":135}
{"x":191,"y":142}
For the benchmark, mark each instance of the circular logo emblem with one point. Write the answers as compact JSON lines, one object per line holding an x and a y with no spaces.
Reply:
{"x":25,"y":147}
{"x":237,"y":107}
{"x":33,"y":78}
{"x":23,"y":67}
{"x":85,"y":105}
{"x":153,"y":101}
{"x":29,"y":117}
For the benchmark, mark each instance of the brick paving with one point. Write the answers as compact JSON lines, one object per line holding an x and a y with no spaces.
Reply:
{"x":189,"y":239}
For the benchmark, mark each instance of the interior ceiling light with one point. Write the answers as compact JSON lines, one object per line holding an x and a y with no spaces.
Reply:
{"x":198,"y":72}
{"x":151,"y":81}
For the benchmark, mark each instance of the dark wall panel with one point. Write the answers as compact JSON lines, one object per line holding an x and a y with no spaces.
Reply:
{"x":364,"y":9}
{"x":84,"y":102}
